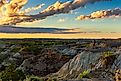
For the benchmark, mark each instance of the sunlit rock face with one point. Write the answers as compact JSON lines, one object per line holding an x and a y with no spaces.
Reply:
{"x":116,"y":67}
{"x":86,"y":79}
{"x":117,"y":63}
{"x":96,"y":63}
{"x":78,"y":64}
{"x":68,"y":51}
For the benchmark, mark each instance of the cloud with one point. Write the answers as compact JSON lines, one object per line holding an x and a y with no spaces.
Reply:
{"x":102,"y":14}
{"x":11,"y":29}
{"x":61,"y":20}
{"x":2,"y":3}
{"x":13,"y":9}
{"x":28,"y":10}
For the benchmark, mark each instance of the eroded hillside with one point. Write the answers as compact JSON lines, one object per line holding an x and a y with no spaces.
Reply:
{"x":56,"y":59}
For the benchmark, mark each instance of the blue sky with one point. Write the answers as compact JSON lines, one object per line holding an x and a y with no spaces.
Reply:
{"x":106,"y":24}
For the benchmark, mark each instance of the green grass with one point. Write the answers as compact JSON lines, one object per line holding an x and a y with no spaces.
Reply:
{"x":83,"y":74}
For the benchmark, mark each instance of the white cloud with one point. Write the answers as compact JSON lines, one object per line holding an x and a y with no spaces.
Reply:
{"x":61,"y":20}
{"x":28,"y":10}
{"x":13,"y":15}
{"x":102,"y":14}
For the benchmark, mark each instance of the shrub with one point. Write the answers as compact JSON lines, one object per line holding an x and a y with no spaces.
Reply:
{"x":83,"y":74}
{"x":36,"y":79}
{"x":108,"y":59}
{"x":108,"y":54}
{"x":11,"y":74}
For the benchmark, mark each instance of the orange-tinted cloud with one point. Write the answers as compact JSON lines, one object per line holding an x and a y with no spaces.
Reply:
{"x":102,"y":14}
{"x":13,"y":10}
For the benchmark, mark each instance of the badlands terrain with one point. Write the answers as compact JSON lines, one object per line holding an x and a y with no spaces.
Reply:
{"x":60,"y":60}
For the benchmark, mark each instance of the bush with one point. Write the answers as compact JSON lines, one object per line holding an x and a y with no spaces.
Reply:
{"x":84,"y":74}
{"x":11,"y":74}
{"x":52,"y":79}
{"x":108,"y":59}
{"x":42,"y":79}
{"x":108,"y":54}
{"x":36,"y":79}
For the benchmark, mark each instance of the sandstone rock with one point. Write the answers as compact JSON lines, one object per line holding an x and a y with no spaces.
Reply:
{"x":116,"y":67}
{"x":2,"y":45}
{"x":17,"y":55}
{"x":78,"y":64}
{"x":117,"y":63}
{"x":44,"y":64}
{"x":93,"y":79}
{"x":69,"y":51}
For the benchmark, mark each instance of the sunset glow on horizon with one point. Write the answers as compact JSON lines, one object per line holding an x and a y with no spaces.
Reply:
{"x":62,"y":36}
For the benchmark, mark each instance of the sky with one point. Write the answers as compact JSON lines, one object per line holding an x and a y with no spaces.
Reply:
{"x":82,"y":18}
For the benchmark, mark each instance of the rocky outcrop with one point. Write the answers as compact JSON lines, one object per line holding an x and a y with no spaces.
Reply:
{"x":97,"y":64}
{"x":80,"y":63}
{"x":69,"y":51}
{"x":43,"y":64}
{"x":116,"y":67}
{"x":117,"y":63}
{"x":7,"y":57}
{"x":86,"y":79}
{"x":69,"y":62}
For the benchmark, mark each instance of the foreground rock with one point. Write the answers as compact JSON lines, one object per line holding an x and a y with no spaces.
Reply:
{"x":98,"y":65}
{"x":86,"y":79}
{"x":117,"y":63}
{"x":116,"y":67}
{"x":7,"y":57}
{"x":78,"y":64}
{"x":43,"y":64}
